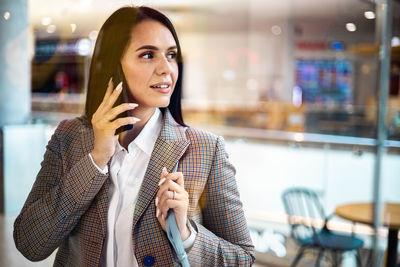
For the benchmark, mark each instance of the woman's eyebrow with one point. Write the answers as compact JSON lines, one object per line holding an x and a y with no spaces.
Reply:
{"x":152,"y":47}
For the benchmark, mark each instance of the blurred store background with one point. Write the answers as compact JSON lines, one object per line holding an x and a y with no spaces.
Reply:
{"x":292,"y":85}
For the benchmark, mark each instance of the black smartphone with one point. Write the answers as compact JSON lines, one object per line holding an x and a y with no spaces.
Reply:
{"x":123,"y":98}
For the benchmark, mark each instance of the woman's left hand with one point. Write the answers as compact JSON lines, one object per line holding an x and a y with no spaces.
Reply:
{"x":172,"y":195}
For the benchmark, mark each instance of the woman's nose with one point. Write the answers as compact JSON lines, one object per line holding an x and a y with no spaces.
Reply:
{"x":163,"y":66}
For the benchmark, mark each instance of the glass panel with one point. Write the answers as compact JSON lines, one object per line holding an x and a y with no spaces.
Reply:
{"x":291,"y":85}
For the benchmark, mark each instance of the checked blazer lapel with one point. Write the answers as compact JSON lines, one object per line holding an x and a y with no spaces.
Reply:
{"x":171,"y":144}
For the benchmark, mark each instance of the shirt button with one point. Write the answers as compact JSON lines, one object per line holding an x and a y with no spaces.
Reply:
{"x":148,"y":261}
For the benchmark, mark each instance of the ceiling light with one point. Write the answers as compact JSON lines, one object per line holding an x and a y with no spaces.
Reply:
{"x":6,"y":15}
{"x":51,"y":28}
{"x":84,"y":47}
{"x":46,"y":21}
{"x":73,"y":27}
{"x":93,"y":35}
{"x":276,"y":30}
{"x":351,"y":27}
{"x":369,"y":14}
{"x":395,"y":41}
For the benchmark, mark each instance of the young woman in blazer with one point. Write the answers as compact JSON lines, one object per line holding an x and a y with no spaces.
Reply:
{"x":102,"y":196}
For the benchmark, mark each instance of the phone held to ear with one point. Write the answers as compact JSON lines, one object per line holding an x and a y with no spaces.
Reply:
{"x":123,"y":98}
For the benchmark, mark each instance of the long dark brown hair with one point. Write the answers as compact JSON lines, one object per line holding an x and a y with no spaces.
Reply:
{"x":113,"y":38}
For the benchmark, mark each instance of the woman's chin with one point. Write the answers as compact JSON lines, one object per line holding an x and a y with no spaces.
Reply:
{"x":163,"y":104}
{"x":155,"y":103}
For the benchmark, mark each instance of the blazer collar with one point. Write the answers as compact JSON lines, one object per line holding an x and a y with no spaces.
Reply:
{"x":171,"y":144}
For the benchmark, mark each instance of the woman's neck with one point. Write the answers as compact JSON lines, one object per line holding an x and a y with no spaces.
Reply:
{"x":144,"y":114}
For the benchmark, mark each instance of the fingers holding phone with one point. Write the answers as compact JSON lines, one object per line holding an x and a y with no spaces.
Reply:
{"x":105,"y":122}
{"x":123,"y":98}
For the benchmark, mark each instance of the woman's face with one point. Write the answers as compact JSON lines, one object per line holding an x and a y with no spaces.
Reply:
{"x":149,"y":64}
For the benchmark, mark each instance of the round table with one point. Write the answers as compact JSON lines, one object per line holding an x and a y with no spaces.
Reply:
{"x":362,"y":213}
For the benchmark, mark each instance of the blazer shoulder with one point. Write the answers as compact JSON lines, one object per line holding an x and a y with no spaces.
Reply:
{"x":202,"y":137}
{"x":68,"y":130}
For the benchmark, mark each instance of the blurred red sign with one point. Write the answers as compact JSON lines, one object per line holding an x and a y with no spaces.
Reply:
{"x":311,"y":45}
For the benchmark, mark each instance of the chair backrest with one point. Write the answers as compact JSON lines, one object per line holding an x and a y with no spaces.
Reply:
{"x":305,"y":212}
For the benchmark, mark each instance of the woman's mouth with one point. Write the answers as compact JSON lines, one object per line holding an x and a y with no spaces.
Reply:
{"x":162,"y":88}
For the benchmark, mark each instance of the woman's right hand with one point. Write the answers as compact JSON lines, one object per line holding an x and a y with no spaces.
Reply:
{"x":104,"y":125}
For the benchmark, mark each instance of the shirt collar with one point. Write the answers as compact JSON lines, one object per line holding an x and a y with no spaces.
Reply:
{"x":148,"y":136}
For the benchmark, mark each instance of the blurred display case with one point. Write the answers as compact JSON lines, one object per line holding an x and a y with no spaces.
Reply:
{"x":59,"y":71}
{"x":325,"y":81}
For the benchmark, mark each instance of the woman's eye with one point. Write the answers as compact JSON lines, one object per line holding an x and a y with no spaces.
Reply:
{"x":147,"y":55}
{"x":172,"y":55}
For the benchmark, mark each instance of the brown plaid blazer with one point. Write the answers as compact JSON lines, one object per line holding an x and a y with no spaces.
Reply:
{"x":67,"y":206}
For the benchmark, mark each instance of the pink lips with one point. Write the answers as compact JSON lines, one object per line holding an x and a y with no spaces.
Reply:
{"x":164,"y":88}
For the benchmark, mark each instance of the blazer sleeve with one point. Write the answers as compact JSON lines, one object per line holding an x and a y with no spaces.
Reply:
{"x":58,"y":197}
{"x":223,"y":239}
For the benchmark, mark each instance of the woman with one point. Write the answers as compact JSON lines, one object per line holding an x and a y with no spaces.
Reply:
{"x":102,"y":197}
